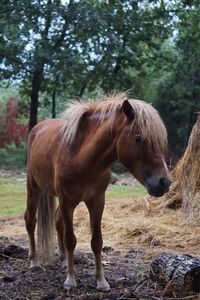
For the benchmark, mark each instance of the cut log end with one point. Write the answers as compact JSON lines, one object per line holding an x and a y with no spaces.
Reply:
{"x":179,"y":272}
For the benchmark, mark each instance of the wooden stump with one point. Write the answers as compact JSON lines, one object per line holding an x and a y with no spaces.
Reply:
{"x":180,"y":274}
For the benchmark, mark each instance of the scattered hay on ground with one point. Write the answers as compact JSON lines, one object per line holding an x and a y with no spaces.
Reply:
{"x":143,"y":222}
{"x":140,"y":222}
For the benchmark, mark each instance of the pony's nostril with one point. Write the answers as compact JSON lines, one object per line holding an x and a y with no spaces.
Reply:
{"x":162,"y":182}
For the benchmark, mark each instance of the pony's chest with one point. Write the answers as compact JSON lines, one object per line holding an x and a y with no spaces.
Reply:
{"x":83,"y":193}
{"x":82,"y":187}
{"x":83,"y":190}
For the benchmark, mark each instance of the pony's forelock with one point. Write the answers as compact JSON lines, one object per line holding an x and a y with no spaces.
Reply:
{"x":146,"y":118}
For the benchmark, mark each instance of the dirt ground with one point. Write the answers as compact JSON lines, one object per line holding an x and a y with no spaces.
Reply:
{"x":125,"y":271}
{"x":135,"y":231}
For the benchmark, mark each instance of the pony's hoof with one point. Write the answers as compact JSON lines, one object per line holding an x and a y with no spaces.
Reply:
{"x":64,"y":264}
{"x":57,"y":251}
{"x":103,"y":286}
{"x":34,"y":265}
{"x":70,"y":283}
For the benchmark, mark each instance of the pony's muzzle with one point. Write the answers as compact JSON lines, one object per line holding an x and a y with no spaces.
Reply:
{"x":157,"y":187}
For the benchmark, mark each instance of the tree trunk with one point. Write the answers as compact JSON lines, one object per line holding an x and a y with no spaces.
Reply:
{"x":189,"y":121}
{"x":53,"y":109}
{"x":119,"y":61}
{"x":36,"y":83}
{"x":37,"y":76}
{"x":116,"y":70}
{"x":83,"y":89}
{"x":180,"y":274}
{"x":54,"y":104}
{"x":189,"y":126}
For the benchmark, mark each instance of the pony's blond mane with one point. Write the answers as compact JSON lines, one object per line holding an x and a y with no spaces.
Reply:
{"x":146,"y":118}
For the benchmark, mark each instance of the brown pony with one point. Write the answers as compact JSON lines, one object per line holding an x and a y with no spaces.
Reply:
{"x":70,"y":158}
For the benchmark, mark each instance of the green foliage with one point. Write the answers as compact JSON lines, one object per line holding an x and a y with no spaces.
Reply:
{"x":173,"y":83}
{"x":141,"y":275}
{"x":88,"y":48}
{"x":117,"y":167}
{"x":12,"y":157}
{"x":7,"y":91}
{"x":79,"y":45}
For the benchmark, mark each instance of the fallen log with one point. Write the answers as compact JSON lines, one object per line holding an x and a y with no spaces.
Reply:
{"x":178,"y":273}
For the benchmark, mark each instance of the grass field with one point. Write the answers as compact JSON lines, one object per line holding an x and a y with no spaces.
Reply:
{"x":13,"y":194}
{"x":122,"y":191}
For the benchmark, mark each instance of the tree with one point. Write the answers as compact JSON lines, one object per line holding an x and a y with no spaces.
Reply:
{"x":42,"y":27}
{"x":170,"y":77}
{"x":88,"y":43}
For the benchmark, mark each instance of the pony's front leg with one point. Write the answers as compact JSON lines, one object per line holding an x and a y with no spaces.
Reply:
{"x":67,"y":211}
{"x":96,"y":210}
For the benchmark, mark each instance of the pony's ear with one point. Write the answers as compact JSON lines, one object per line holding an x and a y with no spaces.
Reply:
{"x":128,"y":110}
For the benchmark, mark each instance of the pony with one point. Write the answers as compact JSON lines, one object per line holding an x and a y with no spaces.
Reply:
{"x":70,"y":158}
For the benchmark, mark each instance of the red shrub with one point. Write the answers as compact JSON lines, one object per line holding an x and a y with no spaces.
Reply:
{"x":11,"y":128}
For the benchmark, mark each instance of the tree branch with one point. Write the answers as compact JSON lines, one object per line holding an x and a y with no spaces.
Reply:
{"x":63,"y":32}
{"x":15,"y":60}
{"x":48,"y":20}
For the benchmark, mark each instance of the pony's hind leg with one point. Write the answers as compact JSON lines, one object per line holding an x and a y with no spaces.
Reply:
{"x":60,"y":234}
{"x":67,"y":211}
{"x":33,"y":196}
{"x":96,"y":210}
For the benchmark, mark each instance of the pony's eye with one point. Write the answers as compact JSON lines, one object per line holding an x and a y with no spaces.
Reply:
{"x":138,"y":139}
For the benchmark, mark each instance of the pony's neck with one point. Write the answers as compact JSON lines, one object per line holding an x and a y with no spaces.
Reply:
{"x":98,"y":150}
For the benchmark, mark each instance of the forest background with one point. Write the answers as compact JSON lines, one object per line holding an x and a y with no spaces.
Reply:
{"x":55,"y":50}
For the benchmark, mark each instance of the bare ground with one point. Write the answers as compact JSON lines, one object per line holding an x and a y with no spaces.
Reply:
{"x":126,"y":272}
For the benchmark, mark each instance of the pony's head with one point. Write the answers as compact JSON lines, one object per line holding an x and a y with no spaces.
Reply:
{"x":141,"y":144}
{"x":140,"y":136}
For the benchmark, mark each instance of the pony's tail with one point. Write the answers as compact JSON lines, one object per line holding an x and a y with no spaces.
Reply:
{"x":45,"y":226}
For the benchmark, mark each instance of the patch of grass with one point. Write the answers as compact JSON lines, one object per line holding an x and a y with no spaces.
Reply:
{"x":12,"y":196}
{"x":122,"y":191}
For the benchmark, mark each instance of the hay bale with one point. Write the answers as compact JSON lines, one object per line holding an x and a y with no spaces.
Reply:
{"x":185,"y":188}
